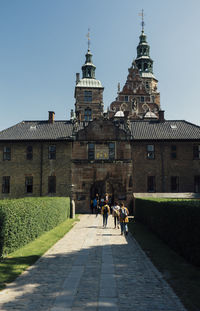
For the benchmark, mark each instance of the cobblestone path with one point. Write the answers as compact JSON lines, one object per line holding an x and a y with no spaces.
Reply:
{"x":91,"y":269}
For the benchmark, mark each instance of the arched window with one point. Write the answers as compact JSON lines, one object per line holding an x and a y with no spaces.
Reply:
{"x":145,"y":66}
{"x":88,"y":114}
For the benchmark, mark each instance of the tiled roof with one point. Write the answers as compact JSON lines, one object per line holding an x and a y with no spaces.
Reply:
{"x":169,"y":129}
{"x":38,"y":130}
{"x":139,"y":130}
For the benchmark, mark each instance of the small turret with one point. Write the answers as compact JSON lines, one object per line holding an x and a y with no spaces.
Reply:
{"x":88,"y":69}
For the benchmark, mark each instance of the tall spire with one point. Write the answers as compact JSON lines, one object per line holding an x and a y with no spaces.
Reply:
{"x":88,"y":69}
{"x":88,"y":36}
{"x":143,"y":60}
{"x":142,"y":23}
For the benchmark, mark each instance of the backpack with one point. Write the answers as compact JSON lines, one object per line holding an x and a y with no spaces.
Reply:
{"x":105,"y":209}
{"x":123,"y":214}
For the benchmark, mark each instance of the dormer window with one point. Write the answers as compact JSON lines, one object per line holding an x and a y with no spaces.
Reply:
{"x":88,"y":114}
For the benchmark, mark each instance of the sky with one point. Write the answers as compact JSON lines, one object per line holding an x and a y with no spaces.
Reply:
{"x":43,"y":45}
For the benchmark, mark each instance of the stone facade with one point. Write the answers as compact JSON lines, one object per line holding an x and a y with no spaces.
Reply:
{"x":101,"y":172}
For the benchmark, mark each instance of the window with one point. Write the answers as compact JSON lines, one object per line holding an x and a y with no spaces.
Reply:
{"x":52,"y":152}
{"x":197,"y":184}
{"x":88,"y":114}
{"x":150,"y":152}
{"x":52,"y":184}
{"x":130,"y":182}
{"x":91,"y":151}
{"x":174,"y":184}
{"x":126,"y":98}
{"x":142,"y":99}
{"x":145,"y":66}
{"x":111,"y":147}
{"x":29,"y":184}
{"x":29,"y":153}
{"x":6,"y":184}
{"x":7,"y":153}
{"x":87,"y":96}
{"x":101,"y":151}
{"x":173,"y":151}
{"x":196,"y":152}
{"x":147,"y":84}
{"x":151,"y":184}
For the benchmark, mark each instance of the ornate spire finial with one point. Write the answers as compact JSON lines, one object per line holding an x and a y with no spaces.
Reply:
{"x":142,"y":23}
{"x":88,"y":36}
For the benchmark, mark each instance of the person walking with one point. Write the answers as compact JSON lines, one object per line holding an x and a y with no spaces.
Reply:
{"x":91,"y":206}
{"x":115,"y":214}
{"x":123,"y":218}
{"x":105,"y":211}
{"x":94,"y":204}
{"x":97,"y":205}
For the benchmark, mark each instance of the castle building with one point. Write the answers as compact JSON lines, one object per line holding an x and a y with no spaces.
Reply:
{"x":129,"y":149}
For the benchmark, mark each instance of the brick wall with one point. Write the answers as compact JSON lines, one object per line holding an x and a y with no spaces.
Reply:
{"x":95,"y":104}
{"x":40,"y":167}
{"x":163,"y":166}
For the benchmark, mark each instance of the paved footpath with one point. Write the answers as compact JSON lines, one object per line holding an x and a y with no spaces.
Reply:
{"x":91,"y":269}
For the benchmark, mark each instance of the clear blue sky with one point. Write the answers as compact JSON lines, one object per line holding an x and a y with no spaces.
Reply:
{"x":43,"y":44}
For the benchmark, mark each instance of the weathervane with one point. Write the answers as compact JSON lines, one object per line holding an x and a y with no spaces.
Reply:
{"x":88,"y":36}
{"x":142,"y":23}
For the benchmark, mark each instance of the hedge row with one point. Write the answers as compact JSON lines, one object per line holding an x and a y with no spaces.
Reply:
{"x":23,"y":220}
{"x":174,"y":221}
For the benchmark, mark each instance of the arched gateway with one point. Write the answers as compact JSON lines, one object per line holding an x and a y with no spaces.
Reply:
{"x":101,"y":188}
{"x":101,"y":163}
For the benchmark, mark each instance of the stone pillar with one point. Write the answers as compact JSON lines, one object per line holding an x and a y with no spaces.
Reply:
{"x":72,"y":208}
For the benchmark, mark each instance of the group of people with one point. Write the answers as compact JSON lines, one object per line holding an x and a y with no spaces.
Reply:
{"x":105,"y":208}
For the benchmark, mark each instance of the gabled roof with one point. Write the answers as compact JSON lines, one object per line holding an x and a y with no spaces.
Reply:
{"x":166,"y":130}
{"x":38,"y":130}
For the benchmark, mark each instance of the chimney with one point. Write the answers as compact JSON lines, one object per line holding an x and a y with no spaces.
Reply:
{"x":77,"y":77}
{"x":72,"y":114}
{"x":161,"y":114}
{"x":51,"y":116}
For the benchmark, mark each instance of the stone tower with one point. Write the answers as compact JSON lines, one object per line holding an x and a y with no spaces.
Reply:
{"x":139,"y":97}
{"x":88,"y":92}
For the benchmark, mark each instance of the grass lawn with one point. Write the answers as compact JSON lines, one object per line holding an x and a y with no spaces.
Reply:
{"x":183,"y":277}
{"x":15,"y":263}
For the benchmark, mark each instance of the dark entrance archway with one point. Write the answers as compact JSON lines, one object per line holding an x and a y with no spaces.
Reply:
{"x":101,"y":188}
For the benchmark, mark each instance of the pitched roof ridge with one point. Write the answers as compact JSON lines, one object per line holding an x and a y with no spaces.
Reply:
{"x":45,"y":121}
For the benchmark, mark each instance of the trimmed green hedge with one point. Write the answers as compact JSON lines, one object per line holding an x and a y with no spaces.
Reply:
{"x":23,"y":220}
{"x":177,"y":222}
